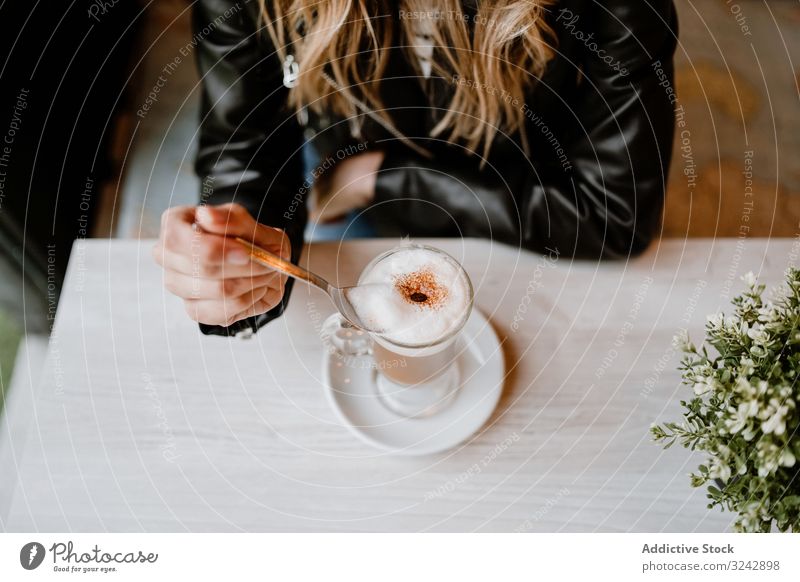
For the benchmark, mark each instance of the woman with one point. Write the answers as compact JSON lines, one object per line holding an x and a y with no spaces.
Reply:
{"x":538,"y":123}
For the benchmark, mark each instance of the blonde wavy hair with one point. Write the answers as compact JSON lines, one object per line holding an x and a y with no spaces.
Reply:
{"x":347,"y":40}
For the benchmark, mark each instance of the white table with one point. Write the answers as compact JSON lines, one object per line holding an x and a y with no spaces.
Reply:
{"x":140,"y":423}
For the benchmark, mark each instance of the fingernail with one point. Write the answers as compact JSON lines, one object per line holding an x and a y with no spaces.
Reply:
{"x":238,"y":257}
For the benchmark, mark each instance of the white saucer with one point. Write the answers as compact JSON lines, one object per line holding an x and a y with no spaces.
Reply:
{"x":349,"y":385}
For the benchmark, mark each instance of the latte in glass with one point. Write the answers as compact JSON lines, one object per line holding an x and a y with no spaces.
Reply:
{"x":420,"y":297}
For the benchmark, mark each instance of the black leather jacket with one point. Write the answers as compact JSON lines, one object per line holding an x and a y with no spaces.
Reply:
{"x":599,"y":125}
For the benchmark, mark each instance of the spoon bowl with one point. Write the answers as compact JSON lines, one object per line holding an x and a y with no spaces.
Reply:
{"x":339,"y":295}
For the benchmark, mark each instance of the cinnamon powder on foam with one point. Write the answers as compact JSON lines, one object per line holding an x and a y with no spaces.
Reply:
{"x":421,"y":288}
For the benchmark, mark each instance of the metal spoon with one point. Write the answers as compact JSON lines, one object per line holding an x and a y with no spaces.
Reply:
{"x":339,"y":295}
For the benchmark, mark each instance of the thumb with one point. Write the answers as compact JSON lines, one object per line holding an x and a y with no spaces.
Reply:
{"x":232,"y":220}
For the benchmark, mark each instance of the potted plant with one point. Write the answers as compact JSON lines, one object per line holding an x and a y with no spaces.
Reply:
{"x":743,"y":411}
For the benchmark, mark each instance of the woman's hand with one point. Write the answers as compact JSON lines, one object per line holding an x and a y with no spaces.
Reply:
{"x":210,"y":271}
{"x":349,"y":185}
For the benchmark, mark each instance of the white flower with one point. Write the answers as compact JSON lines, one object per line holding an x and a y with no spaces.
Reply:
{"x":743,"y":387}
{"x":776,"y":424}
{"x":747,"y":366}
{"x":681,"y":341}
{"x":740,"y":416}
{"x":736,"y":422}
{"x":749,"y":279}
{"x":704,"y":371}
{"x":758,"y":335}
{"x":716,"y":320}
{"x":702,"y":386}
{"x":768,"y":314}
{"x":719,"y":470}
{"x":787,"y":459}
{"x":752,"y":515}
{"x":750,"y":408}
{"x":767,"y":458}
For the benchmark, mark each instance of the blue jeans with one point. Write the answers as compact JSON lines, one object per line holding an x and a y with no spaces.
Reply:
{"x":351,"y":226}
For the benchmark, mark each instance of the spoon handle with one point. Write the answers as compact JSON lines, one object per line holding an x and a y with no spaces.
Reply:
{"x":273,"y":261}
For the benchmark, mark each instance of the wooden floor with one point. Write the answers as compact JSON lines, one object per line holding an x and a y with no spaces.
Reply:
{"x":736,"y":164}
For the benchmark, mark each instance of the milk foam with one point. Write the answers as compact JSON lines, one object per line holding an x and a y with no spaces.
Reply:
{"x":391,"y":298}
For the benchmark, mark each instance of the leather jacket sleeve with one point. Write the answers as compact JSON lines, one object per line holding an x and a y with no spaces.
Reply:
{"x":609,"y":204}
{"x":249,"y":143}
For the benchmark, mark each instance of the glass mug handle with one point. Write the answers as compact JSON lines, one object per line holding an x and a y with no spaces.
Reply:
{"x":344,"y":339}
{"x":425,"y":398}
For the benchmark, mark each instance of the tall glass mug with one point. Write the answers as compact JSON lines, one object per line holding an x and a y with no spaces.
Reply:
{"x":420,"y":379}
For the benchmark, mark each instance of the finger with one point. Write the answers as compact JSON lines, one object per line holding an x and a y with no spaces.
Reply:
{"x":208,"y":243}
{"x":270,"y":300}
{"x":223,"y":312}
{"x":197,"y":265}
{"x":203,"y":247}
{"x":232,"y":220}
{"x":193,"y":287}
{"x":176,"y":226}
